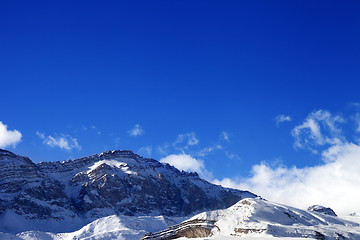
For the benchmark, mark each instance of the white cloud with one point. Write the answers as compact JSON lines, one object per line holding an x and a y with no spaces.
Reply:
{"x":232,"y":156}
{"x":184,"y":162}
{"x":229,"y":183}
{"x":98,"y":132}
{"x":163,"y":149}
{"x":225,"y":136}
{"x":205,"y":151}
{"x":92,"y":127}
{"x":185,"y":140}
{"x":8,"y":137}
{"x":282,"y":118}
{"x":319,"y":128}
{"x":64,"y":141}
{"x":145,"y":151}
{"x":136,"y":131}
{"x":334,"y":183}
{"x":355,"y":104}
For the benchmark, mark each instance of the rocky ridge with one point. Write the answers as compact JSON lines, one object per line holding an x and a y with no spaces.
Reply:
{"x":113,"y":182}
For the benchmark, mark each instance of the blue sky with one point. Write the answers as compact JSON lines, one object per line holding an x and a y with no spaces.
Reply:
{"x":205,"y":80}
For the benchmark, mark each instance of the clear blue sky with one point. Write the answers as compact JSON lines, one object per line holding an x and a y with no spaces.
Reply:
{"x":92,"y":70}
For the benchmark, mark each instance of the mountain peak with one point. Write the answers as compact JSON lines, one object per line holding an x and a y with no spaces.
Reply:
{"x":118,"y":153}
{"x":7,"y":157}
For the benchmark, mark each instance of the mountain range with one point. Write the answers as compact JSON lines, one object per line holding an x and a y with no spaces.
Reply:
{"x":72,"y":193}
{"x":121,"y":195}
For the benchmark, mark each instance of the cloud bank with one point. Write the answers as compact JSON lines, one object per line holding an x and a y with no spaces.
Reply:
{"x":64,"y":142}
{"x":8,"y":138}
{"x":334,"y":183}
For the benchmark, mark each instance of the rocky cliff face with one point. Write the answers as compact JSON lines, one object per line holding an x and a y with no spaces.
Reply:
{"x":27,"y":191}
{"x":113,"y":182}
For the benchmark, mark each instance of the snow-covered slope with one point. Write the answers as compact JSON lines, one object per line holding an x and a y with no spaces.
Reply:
{"x":261,"y":218}
{"x":64,"y":196}
{"x":250,"y":219}
{"x":111,"y":227}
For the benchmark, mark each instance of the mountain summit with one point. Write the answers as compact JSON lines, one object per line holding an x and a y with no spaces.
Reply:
{"x":113,"y":182}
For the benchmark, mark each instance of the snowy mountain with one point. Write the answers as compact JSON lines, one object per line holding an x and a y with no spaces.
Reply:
{"x":65,"y":196}
{"x":249,"y":219}
{"x":120,"y":195}
{"x":111,"y":227}
{"x":259,"y":218}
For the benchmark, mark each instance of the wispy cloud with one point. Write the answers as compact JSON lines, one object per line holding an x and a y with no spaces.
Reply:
{"x":355,"y":104}
{"x":282,"y":118}
{"x":8,"y":138}
{"x":207,"y":150}
{"x":163,"y":149}
{"x":136,"y":131}
{"x":98,"y":132}
{"x":92,"y":127}
{"x":64,"y":141}
{"x":232,"y":156}
{"x":225,"y":136}
{"x":145,"y":151}
{"x":188,"y":144}
{"x":185,"y":140}
{"x":356,"y":119}
{"x":189,"y":157}
{"x":319,"y":128}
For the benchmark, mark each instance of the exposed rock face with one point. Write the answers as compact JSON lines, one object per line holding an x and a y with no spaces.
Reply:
{"x":28,"y":191}
{"x":322,"y":209}
{"x":113,"y":182}
{"x":188,"y":229}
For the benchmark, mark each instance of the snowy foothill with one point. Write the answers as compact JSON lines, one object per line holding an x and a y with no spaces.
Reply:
{"x":111,"y":227}
{"x":249,"y":219}
{"x":261,"y":219}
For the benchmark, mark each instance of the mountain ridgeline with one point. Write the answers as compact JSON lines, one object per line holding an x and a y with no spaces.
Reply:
{"x":113,"y":182}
